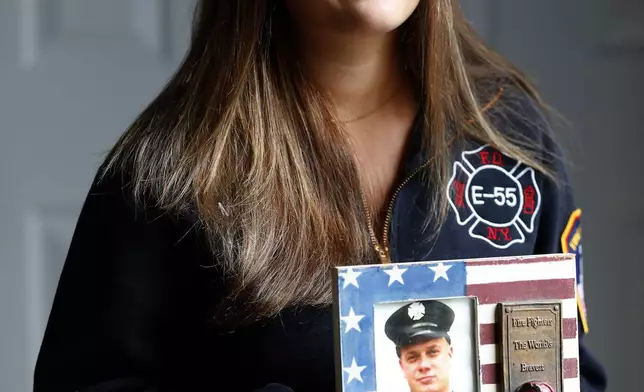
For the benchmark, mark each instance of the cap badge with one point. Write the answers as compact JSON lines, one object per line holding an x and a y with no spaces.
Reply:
{"x":416,"y":311}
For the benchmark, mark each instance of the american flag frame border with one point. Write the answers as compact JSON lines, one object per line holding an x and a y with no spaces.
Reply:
{"x":365,"y":286}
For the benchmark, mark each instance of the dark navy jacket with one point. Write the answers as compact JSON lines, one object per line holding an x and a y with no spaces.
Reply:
{"x":133,"y":307}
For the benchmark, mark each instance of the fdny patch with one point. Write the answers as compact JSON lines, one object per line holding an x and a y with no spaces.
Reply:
{"x":495,"y":196}
{"x":571,"y":243}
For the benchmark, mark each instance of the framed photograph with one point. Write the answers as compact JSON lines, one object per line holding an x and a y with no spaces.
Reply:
{"x":427,"y":342}
{"x":478,"y":325}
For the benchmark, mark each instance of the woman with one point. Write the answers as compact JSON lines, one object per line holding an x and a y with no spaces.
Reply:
{"x":296,"y":136}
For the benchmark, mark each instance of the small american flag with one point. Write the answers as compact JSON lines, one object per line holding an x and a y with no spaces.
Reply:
{"x":493,"y":280}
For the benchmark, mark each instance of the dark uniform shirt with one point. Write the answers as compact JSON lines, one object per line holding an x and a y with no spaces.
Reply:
{"x":133,"y":309}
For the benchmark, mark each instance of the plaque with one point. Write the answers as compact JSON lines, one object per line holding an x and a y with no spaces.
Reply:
{"x":531,"y":346}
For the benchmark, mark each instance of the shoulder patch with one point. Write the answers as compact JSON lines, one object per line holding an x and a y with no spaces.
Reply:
{"x":571,"y":243}
{"x":495,"y":196}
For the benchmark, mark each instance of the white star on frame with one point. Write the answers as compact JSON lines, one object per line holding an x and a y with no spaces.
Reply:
{"x":352,"y":321}
{"x":351,"y":277}
{"x":354,"y":371}
{"x":440,"y":271}
{"x":395,"y":275}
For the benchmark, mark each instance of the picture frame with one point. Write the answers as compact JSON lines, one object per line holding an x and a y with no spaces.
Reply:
{"x":380,"y":312}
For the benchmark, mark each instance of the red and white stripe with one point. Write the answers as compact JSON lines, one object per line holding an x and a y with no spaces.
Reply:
{"x":524,"y":279}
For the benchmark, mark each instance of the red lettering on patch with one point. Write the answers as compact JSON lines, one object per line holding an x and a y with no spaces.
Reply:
{"x":528,"y":200}
{"x":493,"y":233}
{"x":460,"y":192}
{"x":485,"y":157}
{"x":497,"y":158}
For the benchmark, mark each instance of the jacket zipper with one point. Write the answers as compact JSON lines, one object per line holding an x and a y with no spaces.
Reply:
{"x":382,"y":247}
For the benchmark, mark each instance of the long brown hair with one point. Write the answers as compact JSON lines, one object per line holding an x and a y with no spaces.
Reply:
{"x":241,"y":136}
